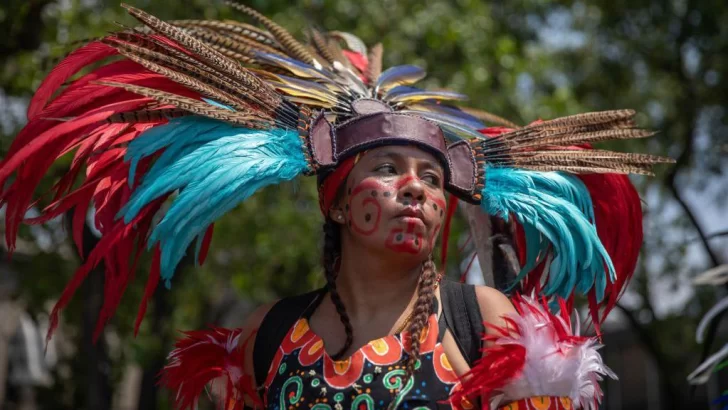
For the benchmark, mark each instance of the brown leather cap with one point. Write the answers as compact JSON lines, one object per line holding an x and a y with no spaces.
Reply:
{"x":379,"y":126}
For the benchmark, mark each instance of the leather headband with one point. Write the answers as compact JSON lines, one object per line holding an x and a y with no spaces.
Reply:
{"x":330,"y":145}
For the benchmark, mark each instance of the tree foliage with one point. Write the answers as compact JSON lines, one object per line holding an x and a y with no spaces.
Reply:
{"x":521,"y":59}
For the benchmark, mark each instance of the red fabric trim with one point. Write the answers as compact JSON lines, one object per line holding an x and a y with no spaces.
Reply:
{"x":452,"y":203}
{"x":332,"y":183}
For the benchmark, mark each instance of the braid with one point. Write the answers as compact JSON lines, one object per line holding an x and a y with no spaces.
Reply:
{"x":421,"y":314}
{"x":332,"y":252}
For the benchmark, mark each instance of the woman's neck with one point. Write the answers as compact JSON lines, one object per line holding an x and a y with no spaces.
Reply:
{"x":369,"y":283}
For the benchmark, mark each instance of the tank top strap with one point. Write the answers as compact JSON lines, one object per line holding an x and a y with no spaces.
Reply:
{"x":314,"y":304}
{"x":441,"y":322}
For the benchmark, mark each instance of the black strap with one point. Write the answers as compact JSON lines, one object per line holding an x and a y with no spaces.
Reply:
{"x":463,"y":318}
{"x":276,"y":324}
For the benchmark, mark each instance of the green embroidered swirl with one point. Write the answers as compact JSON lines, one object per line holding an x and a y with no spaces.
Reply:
{"x":363,"y":398}
{"x":393,"y":380}
{"x":299,"y":390}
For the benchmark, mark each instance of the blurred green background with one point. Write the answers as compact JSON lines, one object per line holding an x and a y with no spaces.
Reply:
{"x":520,"y":59}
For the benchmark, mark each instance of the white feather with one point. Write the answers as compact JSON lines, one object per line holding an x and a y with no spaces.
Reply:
{"x":553,"y":367}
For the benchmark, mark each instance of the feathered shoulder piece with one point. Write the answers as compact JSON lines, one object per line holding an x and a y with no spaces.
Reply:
{"x":537,"y":358}
{"x":202,"y":114}
{"x":213,"y":358}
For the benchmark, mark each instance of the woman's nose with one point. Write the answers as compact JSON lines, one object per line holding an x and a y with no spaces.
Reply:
{"x":413,"y":190}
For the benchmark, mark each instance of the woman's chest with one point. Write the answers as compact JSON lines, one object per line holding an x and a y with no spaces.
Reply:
{"x":302,"y":375}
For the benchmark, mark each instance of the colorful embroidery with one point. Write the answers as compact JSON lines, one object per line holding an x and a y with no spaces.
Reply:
{"x":443,"y":369}
{"x":302,"y":375}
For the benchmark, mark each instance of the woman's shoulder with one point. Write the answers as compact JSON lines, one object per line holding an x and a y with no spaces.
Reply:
{"x":494,"y":305}
{"x":254,"y":320}
{"x":279,"y":309}
{"x":492,"y":302}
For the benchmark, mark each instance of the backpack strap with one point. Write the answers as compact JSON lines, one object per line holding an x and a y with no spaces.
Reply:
{"x":274,"y":327}
{"x":462,"y":316}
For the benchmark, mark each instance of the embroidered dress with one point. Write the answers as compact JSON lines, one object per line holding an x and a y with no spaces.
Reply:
{"x":302,"y":375}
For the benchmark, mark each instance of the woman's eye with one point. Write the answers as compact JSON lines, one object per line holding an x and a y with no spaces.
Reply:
{"x":431,"y":179}
{"x":386,"y":169}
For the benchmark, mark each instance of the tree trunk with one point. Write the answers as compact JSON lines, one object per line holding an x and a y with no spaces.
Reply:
{"x":98,"y":366}
{"x":93,"y":356}
{"x":149,"y":390}
{"x":10,"y":313}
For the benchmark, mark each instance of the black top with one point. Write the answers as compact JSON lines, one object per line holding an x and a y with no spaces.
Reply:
{"x":296,"y":372}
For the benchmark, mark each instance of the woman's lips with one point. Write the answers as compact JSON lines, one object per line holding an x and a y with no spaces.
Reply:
{"x":412,"y":216}
{"x":411,"y":220}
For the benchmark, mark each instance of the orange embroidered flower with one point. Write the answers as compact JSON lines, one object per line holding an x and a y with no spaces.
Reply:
{"x":384,"y":351}
{"x":299,"y":335}
{"x":442,"y":366}
{"x":311,"y":352}
{"x":428,"y":337}
{"x":343,"y":373}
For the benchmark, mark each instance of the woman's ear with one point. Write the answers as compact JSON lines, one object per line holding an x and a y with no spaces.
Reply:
{"x":337,"y":215}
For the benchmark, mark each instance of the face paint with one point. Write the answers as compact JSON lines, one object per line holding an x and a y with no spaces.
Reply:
{"x":364,"y":213}
{"x":369,"y":211}
{"x":405,"y":240}
{"x":390,"y":203}
{"x":433,"y":237}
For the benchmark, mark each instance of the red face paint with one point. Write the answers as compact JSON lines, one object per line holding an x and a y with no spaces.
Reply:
{"x":369,"y":211}
{"x":433,"y":237}
{"x":376,"y":205}
{"x":405,"y":240}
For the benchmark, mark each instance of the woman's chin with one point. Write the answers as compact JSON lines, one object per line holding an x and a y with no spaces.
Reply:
{"x":407,"y":256}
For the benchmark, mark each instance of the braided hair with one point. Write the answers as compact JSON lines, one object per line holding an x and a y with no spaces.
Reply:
{"x":421,"y":311}
{"x":421,"y":314}
{"x":332,"y":254}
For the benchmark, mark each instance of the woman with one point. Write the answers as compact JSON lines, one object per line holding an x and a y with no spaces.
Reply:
{"x":382,"y":287}
{"x":177,"y":132}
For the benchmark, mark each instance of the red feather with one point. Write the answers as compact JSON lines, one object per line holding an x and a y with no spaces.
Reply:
{"x":618,"y":219}
{"x":452,"y":205}
{"x":70,"y":65}
{"x":204,"y":356}
{"x":509,"y":347}
{"x":205,"y":247}
{"x":42,"y":141}
{"x":500,"y":366}
{"x":618,"y":216}
{"x":359,"y":61}
{"x":65,"y":119}
{"x":150,"y":287}
{"x":97,"y":254}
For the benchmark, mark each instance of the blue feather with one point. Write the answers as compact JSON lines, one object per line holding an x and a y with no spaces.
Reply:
{"x":217,"y":104}
{"x":557,"y":215}
{"x":214,"y":167}
{"x":399,"y":75}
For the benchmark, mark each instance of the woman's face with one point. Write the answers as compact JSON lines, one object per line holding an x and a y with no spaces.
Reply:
{"x":394,"y":200}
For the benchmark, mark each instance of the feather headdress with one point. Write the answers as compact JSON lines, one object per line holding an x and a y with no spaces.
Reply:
{"x":202,"y":114}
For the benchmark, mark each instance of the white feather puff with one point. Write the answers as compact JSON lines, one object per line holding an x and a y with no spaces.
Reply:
{"x":559,"y":363}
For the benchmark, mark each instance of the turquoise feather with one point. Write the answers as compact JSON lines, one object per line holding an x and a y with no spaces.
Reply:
{"x":214,"y":167}
{"x":557,"y":215}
